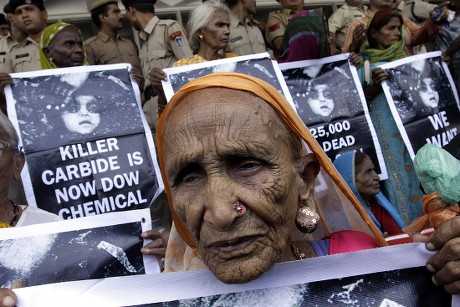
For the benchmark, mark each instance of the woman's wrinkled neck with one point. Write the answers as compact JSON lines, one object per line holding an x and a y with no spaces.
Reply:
{"x":209,"y":53}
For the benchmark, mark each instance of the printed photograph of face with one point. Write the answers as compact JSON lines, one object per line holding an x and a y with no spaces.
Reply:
{"x":420,"y":88}
{"x":320,"y":99}
{"x":76,"y":106}
{"x":81,"y":115}
{"x":428,"y":93}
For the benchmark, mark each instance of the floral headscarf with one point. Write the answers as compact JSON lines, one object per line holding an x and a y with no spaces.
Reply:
{"x":48,"y":34}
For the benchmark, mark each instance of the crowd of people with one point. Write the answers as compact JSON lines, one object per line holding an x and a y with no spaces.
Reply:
{"x":232,"y":145}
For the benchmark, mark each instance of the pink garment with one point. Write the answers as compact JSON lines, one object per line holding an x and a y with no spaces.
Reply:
{"x":346,"y":241}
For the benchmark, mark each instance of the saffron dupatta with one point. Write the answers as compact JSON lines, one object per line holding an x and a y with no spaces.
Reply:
{"x":337,"y":205}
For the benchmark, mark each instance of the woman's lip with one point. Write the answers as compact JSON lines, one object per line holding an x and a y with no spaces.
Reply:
{"x":233,"y":245}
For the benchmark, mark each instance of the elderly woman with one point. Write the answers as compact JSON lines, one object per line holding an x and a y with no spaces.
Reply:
{"x":359,"y":172}
{"x":12,"y":214}
{"x":209,"y":31}
{"x":11,"y":164}
{"x":239,"y":180}
{"x":231,"y":145}
{"x":385,"y":42}
{"x":61,"y":45}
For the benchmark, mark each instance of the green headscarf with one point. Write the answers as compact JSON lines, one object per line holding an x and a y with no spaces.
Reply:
{"x":47,"y":37}
{"x":438,"y":171}
{"x":392,"y":53}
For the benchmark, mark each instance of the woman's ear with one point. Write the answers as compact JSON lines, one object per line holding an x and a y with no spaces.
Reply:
{"x":310,"y":168}
{"x":19,"y":161}
{"x":372,"y":33}
{"x":47,"y":52}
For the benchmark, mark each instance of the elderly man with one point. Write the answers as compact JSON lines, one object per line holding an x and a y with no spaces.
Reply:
{"x":31,"y":16}
{"x":245,"y":38}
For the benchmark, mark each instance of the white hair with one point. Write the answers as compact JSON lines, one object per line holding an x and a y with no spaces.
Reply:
{"x":200,"y":17}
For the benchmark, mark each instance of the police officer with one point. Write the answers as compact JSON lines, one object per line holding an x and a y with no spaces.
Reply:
{"x":108,"y":46}
{"x":278,"y":20}
{"x":163,"y":42}
{"x":245,"y":38}
{"x":31,"y":16}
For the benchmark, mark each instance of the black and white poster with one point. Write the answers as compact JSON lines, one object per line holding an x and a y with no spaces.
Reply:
{"x":256,"y":65}
{"x":88,"y":147}
{"x":89,"y":248}
{"x":329,"y":99}
{"x":388,"y":276}
{"x":423,"y":100}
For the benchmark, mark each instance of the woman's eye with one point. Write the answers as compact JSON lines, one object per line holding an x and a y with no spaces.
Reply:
{"x":189,"y":175}
{"x":190,"y":178}
{"x":249,"y":165}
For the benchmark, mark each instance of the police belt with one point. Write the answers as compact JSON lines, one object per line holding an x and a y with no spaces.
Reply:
{"x":150,"y":92}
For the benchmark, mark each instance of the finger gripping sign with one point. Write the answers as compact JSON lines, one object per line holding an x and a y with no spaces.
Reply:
{"x":88,"y":148}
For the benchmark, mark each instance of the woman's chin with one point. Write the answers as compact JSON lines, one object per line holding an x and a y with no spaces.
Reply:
{"x":237,"y":271}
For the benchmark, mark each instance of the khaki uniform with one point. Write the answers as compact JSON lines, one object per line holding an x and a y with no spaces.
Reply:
{"x":245,"y":38}
{"x":416,"y":10}
{"x":276,"y":24}
{"x":6,"y":43}
{"x":102,"y":49}
{"x":23,"y":57}
{"x":163,"y":43}
{"x":341,"y":20}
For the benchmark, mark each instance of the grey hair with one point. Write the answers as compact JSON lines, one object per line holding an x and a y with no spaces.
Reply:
{"x":6,"y":125}
{"x":200,"y":17}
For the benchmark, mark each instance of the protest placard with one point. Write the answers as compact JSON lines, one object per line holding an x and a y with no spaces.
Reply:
{"x":423,"y":100}
{"x":88,"y":147}
{"x":88,"y":248}
{"x":330,"y":101}
{"x":257,"y":65}
{"x":388,"y":276}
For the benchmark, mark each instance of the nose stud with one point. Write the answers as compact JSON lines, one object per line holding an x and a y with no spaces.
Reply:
{"x":239,"y":207}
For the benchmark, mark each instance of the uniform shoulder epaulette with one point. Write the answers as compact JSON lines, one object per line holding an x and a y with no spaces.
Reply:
{"x":90,"y":40}
{"x":167,"y":22}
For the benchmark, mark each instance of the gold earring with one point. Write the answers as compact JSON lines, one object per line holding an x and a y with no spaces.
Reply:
{"x":306,"y":219}
{"x":200,"y":36}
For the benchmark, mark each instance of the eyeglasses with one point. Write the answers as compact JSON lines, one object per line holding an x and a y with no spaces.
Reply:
{"x":5,"y":145}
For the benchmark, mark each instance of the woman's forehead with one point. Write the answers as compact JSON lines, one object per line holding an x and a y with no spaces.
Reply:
{"x":220,"y":110}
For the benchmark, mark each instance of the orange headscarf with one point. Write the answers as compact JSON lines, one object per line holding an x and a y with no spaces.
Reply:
{"x":344,"y":199}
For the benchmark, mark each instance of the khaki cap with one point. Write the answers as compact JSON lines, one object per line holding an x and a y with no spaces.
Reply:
{"x":98,"y":3}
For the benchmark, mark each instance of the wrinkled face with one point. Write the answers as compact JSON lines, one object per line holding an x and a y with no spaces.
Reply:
{"x":221,"y":147}
{"x":30,"y":18}
{"x":367,"y":179}
{"x":66,"y":48}
{"x":428,"y":93}
{"x":10,"y":166}
{"x":320,"y":100}
{"x":114,"y":18}
{"x":217,"y":32}
{"x":250,"y":6}
{"x":388,"y":34}
{"x":82,"y":117}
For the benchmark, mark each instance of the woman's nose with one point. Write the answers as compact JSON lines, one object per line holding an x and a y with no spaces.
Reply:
{"x":220,"y":206}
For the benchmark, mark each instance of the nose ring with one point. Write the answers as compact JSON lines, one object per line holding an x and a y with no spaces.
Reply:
{"x":238,"y":207}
